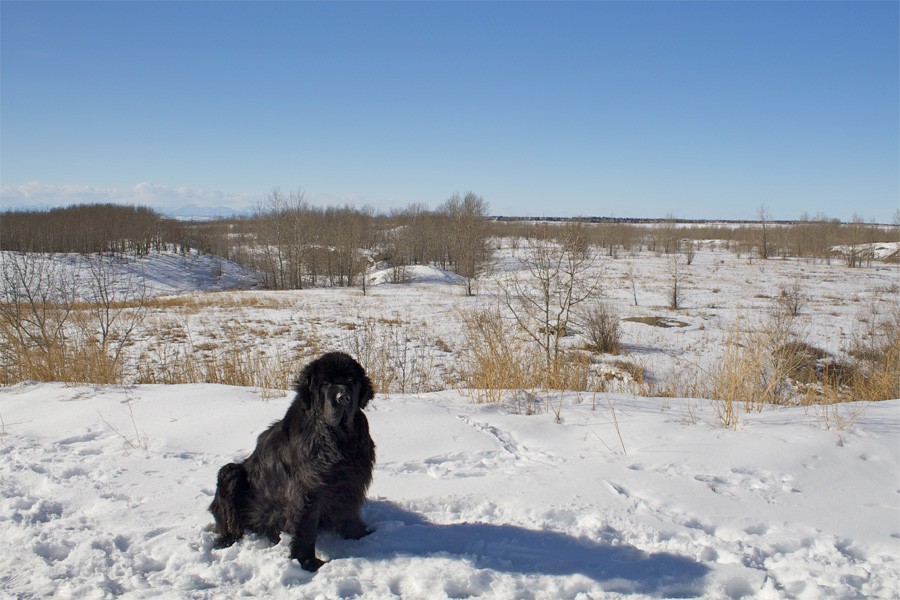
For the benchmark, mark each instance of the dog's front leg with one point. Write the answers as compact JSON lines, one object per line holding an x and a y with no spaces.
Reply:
{"x":303,"y":542}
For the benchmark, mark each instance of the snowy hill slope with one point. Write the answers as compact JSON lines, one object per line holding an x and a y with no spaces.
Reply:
{"x":103,"y":493}
{"x":159,"y":273}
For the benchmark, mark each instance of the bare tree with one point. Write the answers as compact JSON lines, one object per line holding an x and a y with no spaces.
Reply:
{"x":689,"y":249}
{"x":675,"y":293}
{"x":468,"y":250}
{"x":631,"y":278}
{"x":763,"y":214}
{"x":556,"y":280}
{"x":118,"y":302}
{"x":283,"y":235}
{"x":667,"y":234}
{"x":36,"y":303}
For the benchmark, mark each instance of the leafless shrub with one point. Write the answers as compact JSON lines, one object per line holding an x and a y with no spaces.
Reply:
{"x":791,"y":300}
{"x":689,"y":250}
{"x":675,"y":291}
{"x":397,"y":357}
{"x":601,"y":324}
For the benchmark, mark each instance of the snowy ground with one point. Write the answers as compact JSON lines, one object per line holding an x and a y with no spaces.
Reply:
{"x":157,"y":274}
{"x":104,"y":494}
{"x":103,"y":490}
{"x":417,"y":327}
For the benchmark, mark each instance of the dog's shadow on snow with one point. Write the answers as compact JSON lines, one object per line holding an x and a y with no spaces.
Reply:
{"x":512,"y":549}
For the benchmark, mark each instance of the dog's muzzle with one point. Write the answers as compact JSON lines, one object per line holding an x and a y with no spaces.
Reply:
{"x":343,"y":396}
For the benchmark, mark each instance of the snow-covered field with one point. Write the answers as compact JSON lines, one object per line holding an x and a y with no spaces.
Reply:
{"x":104,"y":494}
{"x":204,"y":313}
{"x":105,"y":489}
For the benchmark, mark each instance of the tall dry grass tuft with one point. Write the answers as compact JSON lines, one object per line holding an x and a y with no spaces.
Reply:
{"x":572,"y":371}
{"x":70,"y":358}
{"x":178,"y":364}
{"x":877,"y":350}
{"x":754,"y":370}
{"x":769,"y":365}
{"x":497,"y":358}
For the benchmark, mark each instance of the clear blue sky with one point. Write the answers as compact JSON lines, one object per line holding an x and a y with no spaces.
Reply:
{"x":698,"y":109}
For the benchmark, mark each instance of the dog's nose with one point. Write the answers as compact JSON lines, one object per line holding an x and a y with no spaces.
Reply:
{"x":343,"y":396}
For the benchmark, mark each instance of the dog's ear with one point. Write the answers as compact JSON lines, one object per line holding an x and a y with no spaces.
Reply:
{"x":366,"y":392}
{"x":306,"y":384}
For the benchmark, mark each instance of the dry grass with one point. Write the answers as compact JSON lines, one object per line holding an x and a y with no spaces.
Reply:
{"x":877,"y":350}
{"x":769,"y":365}
{"x":54,"y":344}
{"x":66,"y":346}
{"x":197,"y":301}
{"x":496,"y":357}
{"x":753,"y":370}
{"x":638,"y":373}
{"x":499,"y":359}
{"x":169,"y":364}
{"x":70,"y":359}
{"x":874,"y":374}
{"x":397,"y":356}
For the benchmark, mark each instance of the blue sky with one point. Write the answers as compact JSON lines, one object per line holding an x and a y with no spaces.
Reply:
{"x":696,"y":109}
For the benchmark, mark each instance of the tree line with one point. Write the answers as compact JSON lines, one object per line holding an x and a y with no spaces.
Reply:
{"x":291,"y":242}
{"x":296,"y":245}
{"x":813,"y":238}
{"x":85,"y":229}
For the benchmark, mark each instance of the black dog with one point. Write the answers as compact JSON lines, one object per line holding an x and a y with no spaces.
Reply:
{"x":310,"y":470}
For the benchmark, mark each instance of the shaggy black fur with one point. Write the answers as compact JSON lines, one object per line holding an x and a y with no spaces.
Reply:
{"x":310,"y":470}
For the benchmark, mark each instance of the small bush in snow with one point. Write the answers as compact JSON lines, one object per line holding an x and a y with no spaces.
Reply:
{"x":601,"y":324}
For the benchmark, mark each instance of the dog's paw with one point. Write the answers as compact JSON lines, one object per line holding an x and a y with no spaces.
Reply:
{"x":225,"y":541}
{"x":353,"y":530}
{"x":311,"y":564}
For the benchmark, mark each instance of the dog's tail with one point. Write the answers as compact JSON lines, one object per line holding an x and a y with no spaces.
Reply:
{"x":229,"y":505}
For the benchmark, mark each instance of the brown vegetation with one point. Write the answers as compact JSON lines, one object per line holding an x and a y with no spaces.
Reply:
{"x":48,"y":332}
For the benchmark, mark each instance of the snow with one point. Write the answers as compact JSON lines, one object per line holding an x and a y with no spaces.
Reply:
{"x":416,"y":274}
{"x":156,"y":274}
{"x":105,"y":491}
{"x":878,"y":251}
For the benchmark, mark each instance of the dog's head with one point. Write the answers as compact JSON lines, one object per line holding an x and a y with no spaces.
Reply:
{"x":335,"y":386}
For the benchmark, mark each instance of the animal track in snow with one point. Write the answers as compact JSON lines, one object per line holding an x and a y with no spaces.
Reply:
{"x":519,"y":452}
